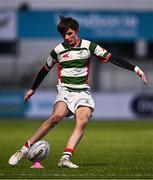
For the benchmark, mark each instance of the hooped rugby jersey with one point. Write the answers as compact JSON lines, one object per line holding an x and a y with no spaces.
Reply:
{"x":73,"y":64}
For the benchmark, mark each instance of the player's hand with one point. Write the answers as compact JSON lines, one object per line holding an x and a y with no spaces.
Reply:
{"x":28,"y":94}
{"x":141,"y":74}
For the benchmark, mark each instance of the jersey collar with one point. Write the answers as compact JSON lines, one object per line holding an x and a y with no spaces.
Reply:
{"x":78,"y":44}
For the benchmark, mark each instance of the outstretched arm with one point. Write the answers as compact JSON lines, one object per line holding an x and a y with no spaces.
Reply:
{"x":126,"y":65}
{"x":105,"y":56}
{"x":39,"y":78}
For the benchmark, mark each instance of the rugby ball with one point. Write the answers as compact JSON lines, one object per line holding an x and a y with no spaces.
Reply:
{"x":39,"y":151}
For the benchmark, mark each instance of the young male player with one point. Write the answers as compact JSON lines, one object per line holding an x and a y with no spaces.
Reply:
{"x":74,"y":98}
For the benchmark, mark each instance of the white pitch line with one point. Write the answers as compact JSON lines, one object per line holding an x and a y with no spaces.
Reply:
{"x":72,"y":175}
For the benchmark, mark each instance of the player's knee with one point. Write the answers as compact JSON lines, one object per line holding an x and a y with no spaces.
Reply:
{"x":82,"y":124}
{"x":57,"y":116}
{"x":55,"y":119}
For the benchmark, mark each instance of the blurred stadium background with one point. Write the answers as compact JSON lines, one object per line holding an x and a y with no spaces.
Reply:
{"x":118,"y":148}
{"x":28,"y":33}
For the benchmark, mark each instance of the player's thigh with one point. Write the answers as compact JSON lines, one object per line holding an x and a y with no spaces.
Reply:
{"x":60,"y":109}
{"x":82,"y":114}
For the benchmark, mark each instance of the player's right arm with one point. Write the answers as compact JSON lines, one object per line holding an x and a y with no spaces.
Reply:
{"x":39,"y":77}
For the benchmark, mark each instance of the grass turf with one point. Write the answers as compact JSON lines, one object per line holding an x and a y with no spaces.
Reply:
{"x":109,"y":150}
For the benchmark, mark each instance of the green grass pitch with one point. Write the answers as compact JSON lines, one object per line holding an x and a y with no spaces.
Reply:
{"x":109,"y":150}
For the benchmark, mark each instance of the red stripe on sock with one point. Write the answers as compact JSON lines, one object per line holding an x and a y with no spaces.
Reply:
{"x":26,"y":144}
{"x":69,"y":150}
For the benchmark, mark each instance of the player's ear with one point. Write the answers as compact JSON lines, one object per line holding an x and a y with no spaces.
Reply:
{"x":77,"y":31}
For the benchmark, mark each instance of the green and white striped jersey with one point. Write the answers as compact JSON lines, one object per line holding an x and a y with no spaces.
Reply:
{"x":73,"y":64}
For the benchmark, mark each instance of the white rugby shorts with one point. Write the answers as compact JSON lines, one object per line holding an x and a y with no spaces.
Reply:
{"x":74,"y":99}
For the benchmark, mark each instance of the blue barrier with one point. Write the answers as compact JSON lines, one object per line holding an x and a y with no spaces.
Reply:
{"x":11,"y":104}
{"x":102,"y":25}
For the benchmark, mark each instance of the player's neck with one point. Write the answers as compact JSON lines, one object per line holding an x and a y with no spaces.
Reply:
{"x":75,"y":44}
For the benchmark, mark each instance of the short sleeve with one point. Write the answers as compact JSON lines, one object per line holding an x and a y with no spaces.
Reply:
{"x":100,"y":52}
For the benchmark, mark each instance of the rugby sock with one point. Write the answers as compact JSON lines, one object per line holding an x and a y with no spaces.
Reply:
{"x":27,"y":144}
{"x":67,"y":153}
{"x":26,"y":147}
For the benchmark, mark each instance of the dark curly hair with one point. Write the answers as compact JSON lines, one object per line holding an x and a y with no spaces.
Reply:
{"x":67,"y":23}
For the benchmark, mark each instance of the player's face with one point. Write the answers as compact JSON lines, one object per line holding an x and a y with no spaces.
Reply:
{"x":70,"y":37}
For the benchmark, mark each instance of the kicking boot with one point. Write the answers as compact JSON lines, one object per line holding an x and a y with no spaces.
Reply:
{"x":15,"y":158}
{"x":65,"y":162}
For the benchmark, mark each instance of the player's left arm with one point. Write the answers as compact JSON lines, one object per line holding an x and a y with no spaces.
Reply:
{"x":119,"y":61}
{"x":105,"y":56}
